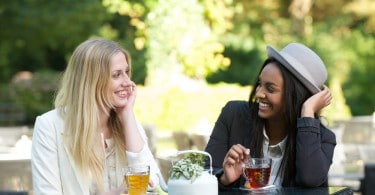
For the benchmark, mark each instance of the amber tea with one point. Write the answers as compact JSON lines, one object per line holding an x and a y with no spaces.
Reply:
{"x":258,"y":171}
{"x":137,"y":184}
{"x":136,"y":180}
{"x":258,"y":177}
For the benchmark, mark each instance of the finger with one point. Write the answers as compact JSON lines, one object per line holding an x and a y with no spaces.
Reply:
{"x":328,"y":98}
{"x":238,"y":152}
{"x":151,"y":183}
{"x":230,"y":161}
{"x":242,"y":150}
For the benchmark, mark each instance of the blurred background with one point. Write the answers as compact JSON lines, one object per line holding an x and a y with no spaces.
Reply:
{"x":189,"y":58}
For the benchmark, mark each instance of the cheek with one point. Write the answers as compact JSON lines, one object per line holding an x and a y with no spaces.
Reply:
{"x":113,"y":85}
{"x":278,"y":100}
{"x":281,"y":104}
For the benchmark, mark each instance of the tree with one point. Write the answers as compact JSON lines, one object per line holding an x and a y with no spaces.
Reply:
{"x":39,"y":34}
{"x":181,"y":37}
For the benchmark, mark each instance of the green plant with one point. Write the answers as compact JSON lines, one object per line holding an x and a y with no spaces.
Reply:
{"x":35,"y":95}
{"x":190,"y":167}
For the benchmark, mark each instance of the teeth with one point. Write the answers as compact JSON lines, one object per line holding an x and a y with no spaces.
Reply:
{"x":263,"y":104}
{"x":121,"y":92}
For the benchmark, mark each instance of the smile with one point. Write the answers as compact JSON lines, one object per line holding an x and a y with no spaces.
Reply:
{"x":263,"y":104}
{"x":122,"y":93}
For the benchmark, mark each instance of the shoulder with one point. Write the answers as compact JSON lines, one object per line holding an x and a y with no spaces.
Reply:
{"x":237,"y":105}
{"x":236,"y":110}
{"x":50,"y":114}
{"x":49,"y":120}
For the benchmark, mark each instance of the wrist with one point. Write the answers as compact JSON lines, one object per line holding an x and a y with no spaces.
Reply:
{"x":223,"y":180}
{"x":307,"y":112}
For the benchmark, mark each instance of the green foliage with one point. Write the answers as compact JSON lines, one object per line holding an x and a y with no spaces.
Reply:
{"x":359,"y":87}
{"x":39,"y":34}
{"x":10,"y":113}
{"x":244,"y":67}
{"x":197,"y":158}
{"x":180,"y":41}
{"x":197,"y":38}
{"x":35,"y":96}
{"x":338,"y":110}
{"x":189,"y":167}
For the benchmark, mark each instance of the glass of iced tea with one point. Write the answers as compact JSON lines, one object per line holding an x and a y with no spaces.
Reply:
{"x":136,"y":179}
{"x":257,"y":171}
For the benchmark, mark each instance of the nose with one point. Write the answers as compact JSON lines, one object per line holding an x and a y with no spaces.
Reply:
{"x":126,"y":80}
{"x":259,"y":93}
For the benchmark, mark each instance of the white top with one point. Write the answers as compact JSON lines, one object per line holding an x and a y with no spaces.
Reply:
{"x":110,"y":180}
{"x":276,"y":153}
{"x":54,"y":171}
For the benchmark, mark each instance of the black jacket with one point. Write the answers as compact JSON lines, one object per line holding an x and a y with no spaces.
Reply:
{"x":314,"y":144}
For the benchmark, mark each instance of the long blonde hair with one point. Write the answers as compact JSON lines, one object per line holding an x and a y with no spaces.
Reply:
{"x":83,"y":94}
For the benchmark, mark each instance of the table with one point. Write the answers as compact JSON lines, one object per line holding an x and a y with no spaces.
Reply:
{"x":293,"y":191}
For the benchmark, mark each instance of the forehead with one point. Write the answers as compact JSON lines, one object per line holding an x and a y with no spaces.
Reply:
{"x":118,"y":61}
{"x":271,"y":73}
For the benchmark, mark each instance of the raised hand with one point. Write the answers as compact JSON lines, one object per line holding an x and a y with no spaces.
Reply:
{"x":234,"y":161}
{"x":316,"y":102}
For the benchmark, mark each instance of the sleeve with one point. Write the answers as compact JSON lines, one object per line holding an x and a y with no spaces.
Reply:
{"x":314,"y":152}
{"x":145,"y":156}
{"x":44,"y":159}
{"x":219,"y":144}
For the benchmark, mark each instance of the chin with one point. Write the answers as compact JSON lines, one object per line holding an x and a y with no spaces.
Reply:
{"x":263,"y":115}
{"x":120,"y":104}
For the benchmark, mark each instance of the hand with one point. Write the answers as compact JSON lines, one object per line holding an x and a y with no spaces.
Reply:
{"x":133,"y":138}
{"x":132,"y":90}
{"x":316,"y":102}
{"x":151,"y":184}
{"x":128,"y":107}
{"x":234,"y":161}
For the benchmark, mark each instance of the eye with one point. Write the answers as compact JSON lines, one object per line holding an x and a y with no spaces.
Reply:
{"x":116,"y":74}
{"x":270,"y":88}
{"x":127,"y":71}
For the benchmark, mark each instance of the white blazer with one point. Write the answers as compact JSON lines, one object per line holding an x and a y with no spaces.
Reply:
{"x":53,"y":169}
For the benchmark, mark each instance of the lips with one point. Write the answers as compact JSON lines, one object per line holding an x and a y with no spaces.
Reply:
{"x":263,"y":106}
{"x":122,"y":93}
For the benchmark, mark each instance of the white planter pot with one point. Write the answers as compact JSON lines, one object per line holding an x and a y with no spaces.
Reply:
{"x":204,"y":184}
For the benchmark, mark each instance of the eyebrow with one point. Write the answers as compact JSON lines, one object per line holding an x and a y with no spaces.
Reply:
{"x":126,"y":68}
{"x":269,"y":83}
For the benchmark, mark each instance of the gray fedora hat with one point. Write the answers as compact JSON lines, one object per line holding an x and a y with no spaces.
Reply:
{"x":303,"y":63}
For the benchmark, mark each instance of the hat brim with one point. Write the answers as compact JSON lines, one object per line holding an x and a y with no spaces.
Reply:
{"x":295,"y":67}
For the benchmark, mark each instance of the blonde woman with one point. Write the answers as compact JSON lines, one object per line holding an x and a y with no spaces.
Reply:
{"x":81,"y":146}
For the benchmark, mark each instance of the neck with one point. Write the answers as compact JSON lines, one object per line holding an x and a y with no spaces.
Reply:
{"x":276,"y":131}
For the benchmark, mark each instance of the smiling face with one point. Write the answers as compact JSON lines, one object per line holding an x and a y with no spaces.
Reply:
{"x":269,"y":92}
{"x":120,"y":83}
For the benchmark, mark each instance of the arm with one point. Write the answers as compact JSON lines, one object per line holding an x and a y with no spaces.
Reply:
{"x":145,"y":157}
{"x":133,"y":138}
{"x":314,"y":152}
{"x":314,"y":143}
{"x":44,"y":155}
{"x":137,"y":150}
{"x":218,"y":144}
{"x":225,"y":147}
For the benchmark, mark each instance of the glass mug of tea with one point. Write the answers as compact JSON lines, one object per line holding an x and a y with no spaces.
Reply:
{"x":257,"y":172}
{"x":136,"y":179}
